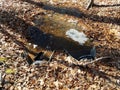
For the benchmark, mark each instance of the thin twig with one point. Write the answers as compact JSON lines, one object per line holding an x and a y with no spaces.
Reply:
{"x":51,"y":56}
{"x":90,"y":4}
{"x":49,"y":62}
{"x":98,"y":59}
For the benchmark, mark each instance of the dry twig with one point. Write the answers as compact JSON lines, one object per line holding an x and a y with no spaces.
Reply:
{"x":90,"y":4}
{"x":98,"y":59}
{"x":51,"y":56}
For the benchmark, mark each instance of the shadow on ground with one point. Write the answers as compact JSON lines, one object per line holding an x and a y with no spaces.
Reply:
{"x":114,"y":5}
{"x":77,"y":13}
{"x":93,"y":71}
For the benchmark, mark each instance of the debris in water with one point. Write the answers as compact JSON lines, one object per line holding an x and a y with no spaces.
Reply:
{"x":29,"y":44}
{"x":75,"y":35}
{"x":34,"y":46}
{"x":73,"y":21}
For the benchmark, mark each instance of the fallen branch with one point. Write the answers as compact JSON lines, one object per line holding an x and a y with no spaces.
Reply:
{"x":98,"y":59}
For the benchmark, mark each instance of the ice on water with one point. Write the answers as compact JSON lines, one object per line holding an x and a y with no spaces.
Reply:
{"x":77,"y":36}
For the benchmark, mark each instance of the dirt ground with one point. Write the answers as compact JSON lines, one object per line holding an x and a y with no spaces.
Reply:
{"x":101,"y":23}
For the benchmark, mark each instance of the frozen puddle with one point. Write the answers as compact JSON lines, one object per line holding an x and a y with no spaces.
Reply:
{"x":77,"y":36}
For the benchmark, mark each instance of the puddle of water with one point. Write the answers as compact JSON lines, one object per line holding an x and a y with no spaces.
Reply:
{"x":51,"y":35}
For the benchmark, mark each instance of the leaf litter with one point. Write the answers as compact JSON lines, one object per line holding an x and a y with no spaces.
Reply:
{"x":63,"y":72}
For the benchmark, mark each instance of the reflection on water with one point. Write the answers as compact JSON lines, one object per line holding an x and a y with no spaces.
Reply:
{"x":38,"y":37}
